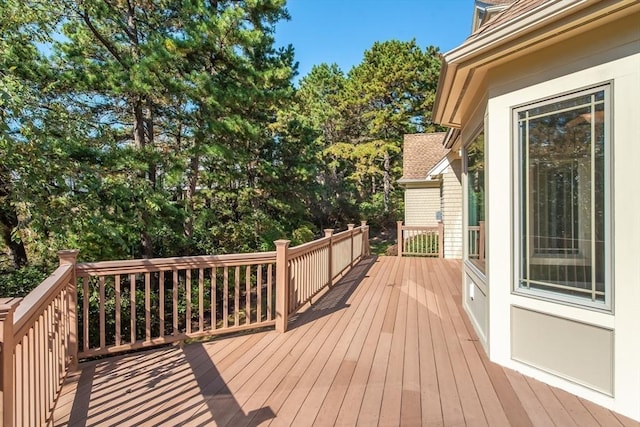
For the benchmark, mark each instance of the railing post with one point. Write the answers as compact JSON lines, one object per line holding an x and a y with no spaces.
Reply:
{"x":440,"y":239}
{"x":328,"y":232}
{"x":400,"y":239}
{"x":481,"y":238}
{"x":70,"y":257}
{"x":7,"y":308}
{"x":350,"y":229}
{"x":365,"y":238}
{"x":282,"y":284}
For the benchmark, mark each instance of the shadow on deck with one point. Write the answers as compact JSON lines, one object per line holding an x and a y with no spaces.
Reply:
{"x":389,"y":344}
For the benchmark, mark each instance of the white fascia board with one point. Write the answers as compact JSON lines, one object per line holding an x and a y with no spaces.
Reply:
{"x":438,"y":169}
{"x":417,"y":183}
{"x":512,"y":30}
{"x":545,"y":22}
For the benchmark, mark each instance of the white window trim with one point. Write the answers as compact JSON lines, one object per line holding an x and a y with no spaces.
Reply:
{"x":549,"y":295}
{"x":470,"y":265}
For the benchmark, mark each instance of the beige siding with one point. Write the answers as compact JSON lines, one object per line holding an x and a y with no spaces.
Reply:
{"x":477,"y":306}
{"x":421,"y":205}
{"x":577,"y":351}
{"x":452,"y":210}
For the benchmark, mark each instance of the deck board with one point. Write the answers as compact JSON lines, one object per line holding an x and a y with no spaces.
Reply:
{"x":388,"y":345}
{"x":429,"y":387}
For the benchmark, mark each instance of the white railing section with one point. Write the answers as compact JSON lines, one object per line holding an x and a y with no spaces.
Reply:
{"x":476,"y":241}
{"x":420,"y":240}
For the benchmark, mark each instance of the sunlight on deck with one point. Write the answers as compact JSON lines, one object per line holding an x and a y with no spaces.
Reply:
{"x":388,"y":345}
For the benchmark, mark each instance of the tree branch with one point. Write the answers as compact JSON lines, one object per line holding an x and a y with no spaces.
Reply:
{"x":85,"y":17}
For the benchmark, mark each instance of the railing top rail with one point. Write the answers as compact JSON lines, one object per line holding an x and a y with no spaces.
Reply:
{"x":163,"y":264}
{"x":305,"y":248}
{"x":419,"y":228}
{"x":35,"y":302}
{"x":347,"y":233}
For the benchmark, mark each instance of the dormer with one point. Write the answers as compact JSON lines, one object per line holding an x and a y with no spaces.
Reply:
{"x":485,"y":10}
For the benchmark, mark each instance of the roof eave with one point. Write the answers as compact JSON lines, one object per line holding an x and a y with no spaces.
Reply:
{"x":501,"y":42}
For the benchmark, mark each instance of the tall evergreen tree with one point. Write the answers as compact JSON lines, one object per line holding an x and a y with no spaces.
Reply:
{"x":389,"y":94}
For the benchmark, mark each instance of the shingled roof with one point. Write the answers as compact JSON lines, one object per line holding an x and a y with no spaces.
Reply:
{"x":515,"y":9}
{"x":421,"y":152}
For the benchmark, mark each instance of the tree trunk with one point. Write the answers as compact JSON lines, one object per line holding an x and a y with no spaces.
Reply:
{"x":147,"y":244}
{"x":387,"y":180}
{"x":191,"y":191}
{"x":138,"y":125}
{"x":8,"y":221}
{"x":150,"y":139}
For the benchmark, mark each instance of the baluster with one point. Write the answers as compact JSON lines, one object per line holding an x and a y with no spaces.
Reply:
{"x":201,"y":299}
{"x":118,"y":314}
{"x":188,"y":301}
{"x":225,"y":298}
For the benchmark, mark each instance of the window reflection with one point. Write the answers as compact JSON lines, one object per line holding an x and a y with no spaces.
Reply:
{"x":476,"y":242}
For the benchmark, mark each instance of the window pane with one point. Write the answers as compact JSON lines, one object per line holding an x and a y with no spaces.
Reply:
{"x":562,"y":206}
{"x":475,"y":202}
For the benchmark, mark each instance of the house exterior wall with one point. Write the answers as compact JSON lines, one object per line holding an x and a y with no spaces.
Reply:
{"x":476,"y":290}
{"x":452,"y":209}
{"x":606,"y":55}
{"x":421,"y":205}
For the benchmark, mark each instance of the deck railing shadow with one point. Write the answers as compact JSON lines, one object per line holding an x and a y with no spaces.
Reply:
{"x":336,"y":297}
{"x":220,"y":405}
{"x":158,"y":386}
{"x":88,"y":310}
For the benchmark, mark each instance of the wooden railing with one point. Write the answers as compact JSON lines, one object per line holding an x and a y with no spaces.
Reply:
{"x":126,"y":305}
{"x":420,"y":240}
{"x":39,"y":347}
{"x":476,"y":241}
{"x":314,"y":266}
{"x":120,"y":306}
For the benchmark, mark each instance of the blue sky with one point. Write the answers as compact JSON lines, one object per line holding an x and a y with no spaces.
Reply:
{"x":341,"y":30}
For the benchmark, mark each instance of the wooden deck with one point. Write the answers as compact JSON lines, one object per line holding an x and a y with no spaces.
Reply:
{"x":389,"y":345}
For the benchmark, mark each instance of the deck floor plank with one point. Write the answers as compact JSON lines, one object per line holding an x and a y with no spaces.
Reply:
{"x":305,"y":395}
{"x":327,"y":413}
{"x":352,"y":402}
{"x":550,"y":402}
{"x":449,"y":394}
{"x":411,"y":409}
{"x":469,"y":399}
{"x":576,"y":409}
{"x":429,"y":387}
{"x":274,"y":369}
{"x":369,"y":413}
{"x":389,"y":344}
{"x":392,"y":392}
{"x":340,"y":365}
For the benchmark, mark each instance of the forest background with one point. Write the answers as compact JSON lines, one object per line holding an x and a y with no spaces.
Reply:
{"x":165,"y":128}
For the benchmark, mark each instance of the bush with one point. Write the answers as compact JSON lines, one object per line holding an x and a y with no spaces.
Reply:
{"x":18,"y":283}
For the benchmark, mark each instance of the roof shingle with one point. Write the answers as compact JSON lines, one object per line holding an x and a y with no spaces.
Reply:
{"x":421,"y":152}
{"x":513,"y":11}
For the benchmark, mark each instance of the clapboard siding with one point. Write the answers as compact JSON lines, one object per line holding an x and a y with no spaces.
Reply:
{"x":452,"y":210}
{"x":421,"y":205}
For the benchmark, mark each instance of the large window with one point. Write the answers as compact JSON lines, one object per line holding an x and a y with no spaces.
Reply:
{"x":563,"y":150}
{"x":476,"y":242}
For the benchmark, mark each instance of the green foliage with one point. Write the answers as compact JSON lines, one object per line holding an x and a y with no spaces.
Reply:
{"x":18,"y":283}
{"x":302,"y":234}
{"x":359,"y":122}
{"x":140,"y":129}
